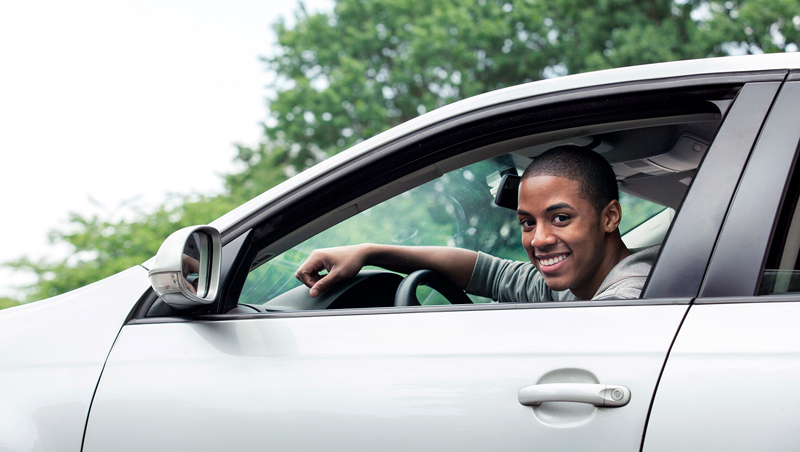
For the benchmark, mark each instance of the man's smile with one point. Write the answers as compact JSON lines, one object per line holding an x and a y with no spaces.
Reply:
{"x":549,"y":262}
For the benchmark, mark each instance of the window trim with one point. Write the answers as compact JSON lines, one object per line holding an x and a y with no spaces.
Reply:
{"x":739,"y":258}
{"x":270,"y":221}
{"x":412,"y":310}
{"x":691,"y":240}
{"x":413,"y":153}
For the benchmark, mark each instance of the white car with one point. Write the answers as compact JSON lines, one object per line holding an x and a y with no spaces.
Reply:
{"x":237,"y":356}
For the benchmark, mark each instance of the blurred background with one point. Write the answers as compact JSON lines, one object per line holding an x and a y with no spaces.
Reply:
{"x":123,"y":121}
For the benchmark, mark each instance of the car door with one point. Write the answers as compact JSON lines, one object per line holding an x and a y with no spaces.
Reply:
{"x":507,"y":376}
{"x":731,"y":379}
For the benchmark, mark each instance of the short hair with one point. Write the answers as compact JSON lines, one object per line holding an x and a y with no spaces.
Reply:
{"x":594,"y":174}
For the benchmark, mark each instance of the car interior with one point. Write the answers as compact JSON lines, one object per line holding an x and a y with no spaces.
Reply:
{"x":458,"y":201}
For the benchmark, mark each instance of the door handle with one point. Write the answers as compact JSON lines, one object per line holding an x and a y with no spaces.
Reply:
{"x":596,"y":394}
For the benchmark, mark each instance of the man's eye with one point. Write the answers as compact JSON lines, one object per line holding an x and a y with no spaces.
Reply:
{"x":560,"y":218}
{"x":527,"y":224}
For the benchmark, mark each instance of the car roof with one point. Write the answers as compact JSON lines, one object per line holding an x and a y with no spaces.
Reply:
{"x":648,"y":72}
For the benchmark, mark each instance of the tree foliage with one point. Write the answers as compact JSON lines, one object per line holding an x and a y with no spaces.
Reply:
{"x":102,"y":248}
{"x":6,"y":302}
{"x":347,"y":74}
{"x":371,"y":65}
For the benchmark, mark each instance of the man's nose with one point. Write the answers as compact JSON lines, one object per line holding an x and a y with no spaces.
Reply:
{"x":543,"y":237}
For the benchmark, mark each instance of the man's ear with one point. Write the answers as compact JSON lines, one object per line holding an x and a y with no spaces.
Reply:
{"x":611,"y":216}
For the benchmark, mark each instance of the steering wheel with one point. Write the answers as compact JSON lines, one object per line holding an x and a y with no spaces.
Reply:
{"x":407,"y":290}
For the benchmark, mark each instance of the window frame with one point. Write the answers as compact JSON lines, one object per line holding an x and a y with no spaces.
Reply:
{"x":681,"y":267}
{"x":424,"y":149}
{"x":436,"y":143}
{"x":737,"y":266}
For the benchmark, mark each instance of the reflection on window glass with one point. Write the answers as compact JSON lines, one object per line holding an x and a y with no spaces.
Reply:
{"x":455,"y":210}
{"x":782,"y":270}
{"x":636,"y":211}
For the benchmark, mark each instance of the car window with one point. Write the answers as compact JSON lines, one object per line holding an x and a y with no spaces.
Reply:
{"x":781,"y":272}
{"x":457,"y":209}
{"x":654,"y":159}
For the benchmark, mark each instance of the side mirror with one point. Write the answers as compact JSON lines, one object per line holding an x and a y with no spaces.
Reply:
{"x":187,"y":267}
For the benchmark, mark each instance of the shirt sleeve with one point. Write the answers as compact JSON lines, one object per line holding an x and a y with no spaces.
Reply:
{"x":511,"y":281}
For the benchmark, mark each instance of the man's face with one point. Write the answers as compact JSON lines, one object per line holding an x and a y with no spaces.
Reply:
{"x":562,"y":234}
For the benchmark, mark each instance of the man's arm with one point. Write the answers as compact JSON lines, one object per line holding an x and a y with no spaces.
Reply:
{"x":455,"y":264}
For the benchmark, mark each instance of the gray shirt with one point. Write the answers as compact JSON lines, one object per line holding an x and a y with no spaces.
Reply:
{"x":506,"y":280}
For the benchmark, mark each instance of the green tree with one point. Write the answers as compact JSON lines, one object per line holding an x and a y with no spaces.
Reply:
{"x":345,"y":75}
{"x":370,"y":65}
{"x":6,"y":302}
{"x":102,"y":248}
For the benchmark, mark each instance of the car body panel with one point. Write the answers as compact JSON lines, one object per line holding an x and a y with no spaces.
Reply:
{"x":381,"y":381}
{"x":53,"y":353}
{"x":736,"y":360}
{"x":731,"y":381}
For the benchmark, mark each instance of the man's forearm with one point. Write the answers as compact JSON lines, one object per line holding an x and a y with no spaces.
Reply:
{"x":455,"y":264}
{"x":326,"y":267}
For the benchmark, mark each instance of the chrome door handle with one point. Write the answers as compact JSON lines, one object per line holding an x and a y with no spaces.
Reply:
{"x":596,"y":394}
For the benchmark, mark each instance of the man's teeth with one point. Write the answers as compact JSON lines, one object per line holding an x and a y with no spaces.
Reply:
{"x":553,"y":261}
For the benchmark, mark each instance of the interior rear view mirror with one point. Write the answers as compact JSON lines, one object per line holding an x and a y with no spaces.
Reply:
{"x":508,"y":192}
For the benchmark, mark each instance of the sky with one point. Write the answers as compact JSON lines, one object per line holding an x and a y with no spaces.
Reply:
{"x":106,"y":106}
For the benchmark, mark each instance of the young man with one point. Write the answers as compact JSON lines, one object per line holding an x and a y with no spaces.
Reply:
{"x":569,"y":213}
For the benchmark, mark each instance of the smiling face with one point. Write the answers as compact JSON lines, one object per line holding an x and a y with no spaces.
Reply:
{"x":572,"y":245}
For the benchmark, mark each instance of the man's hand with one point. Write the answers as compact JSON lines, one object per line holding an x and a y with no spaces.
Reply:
{"x":340,"y":263}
